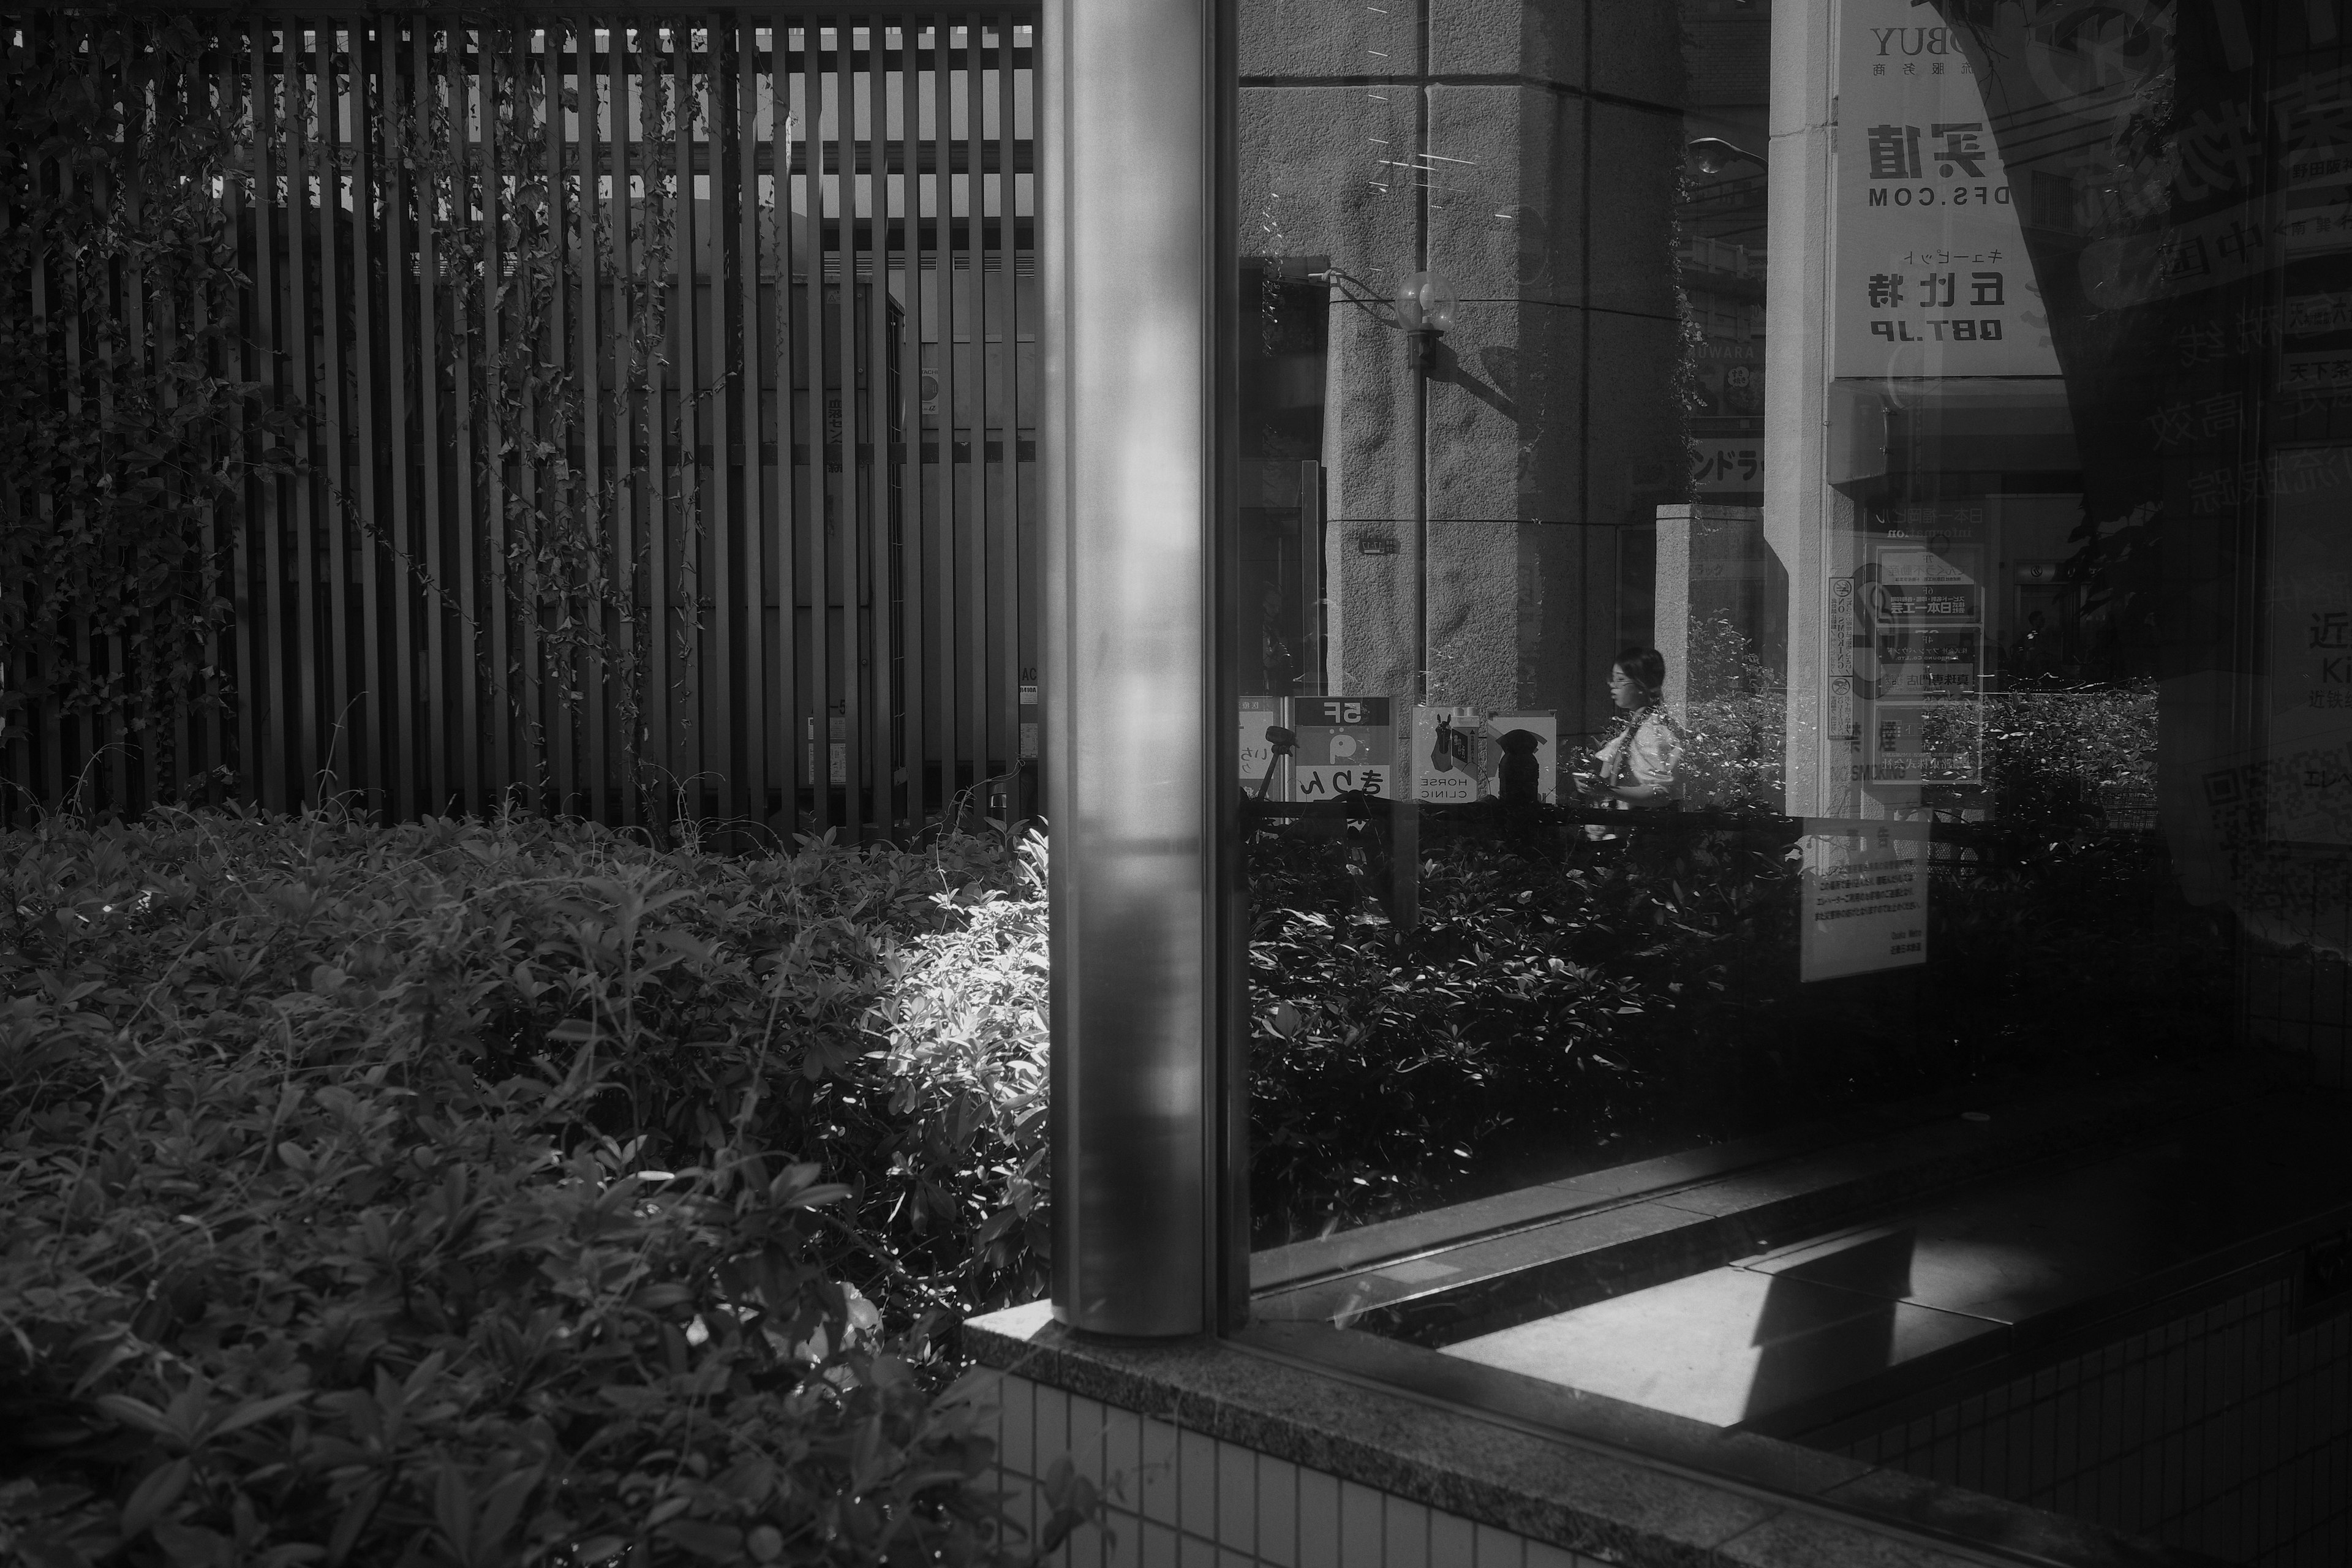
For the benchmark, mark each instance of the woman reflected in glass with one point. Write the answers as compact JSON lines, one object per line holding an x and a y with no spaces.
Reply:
{"x":1635,"y":767}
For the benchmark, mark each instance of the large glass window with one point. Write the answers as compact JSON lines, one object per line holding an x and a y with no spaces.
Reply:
{"x":1717,"y":658}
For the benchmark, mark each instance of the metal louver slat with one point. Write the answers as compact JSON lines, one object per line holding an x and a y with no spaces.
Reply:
{"x":601,"y":339}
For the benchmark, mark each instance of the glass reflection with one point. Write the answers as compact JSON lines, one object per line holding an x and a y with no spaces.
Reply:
{"x":1636,"y":762}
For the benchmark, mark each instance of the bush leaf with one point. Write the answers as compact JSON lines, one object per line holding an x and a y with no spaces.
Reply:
{"x":155,"y":1494}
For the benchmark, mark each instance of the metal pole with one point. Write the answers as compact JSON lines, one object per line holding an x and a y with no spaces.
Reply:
{"x":1421,"y":343}
{"x":1134,"y":245}
{"x":1404,"y":812}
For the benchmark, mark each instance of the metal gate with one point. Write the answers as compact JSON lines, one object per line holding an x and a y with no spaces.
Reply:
{"x":664,"y":385}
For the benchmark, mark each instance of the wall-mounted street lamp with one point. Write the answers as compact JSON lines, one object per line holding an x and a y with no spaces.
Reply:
{"x":1712,"y":154}
{"x":1421,"y":308}
{"x":1425,"y":308}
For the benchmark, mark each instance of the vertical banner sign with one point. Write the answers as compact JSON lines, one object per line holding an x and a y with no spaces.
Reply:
{"x":1865,"y":898}
{"x":1924,"y":606}
{"x":1931,"y":277}
{"x":1259,"y":714}
{"x":2306,"y":796}
{"x":1345,"y":744}
{"x":1842,"y":719}
{"x":1401,"y":783}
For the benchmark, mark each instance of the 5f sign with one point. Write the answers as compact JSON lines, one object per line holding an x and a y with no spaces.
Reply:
{"x":1342,"y":711}
{"x":1346,"y":745}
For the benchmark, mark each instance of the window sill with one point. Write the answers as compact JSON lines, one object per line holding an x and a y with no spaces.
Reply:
{"x":1625,"y":1483}
{"x":1605,"y":1480}
{"x":1449,"y":1274}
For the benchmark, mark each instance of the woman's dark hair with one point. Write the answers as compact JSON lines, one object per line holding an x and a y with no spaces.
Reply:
{"x":1645,"y":668}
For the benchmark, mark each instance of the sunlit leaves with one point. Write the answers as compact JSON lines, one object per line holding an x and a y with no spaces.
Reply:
{"x":461,"y":1189}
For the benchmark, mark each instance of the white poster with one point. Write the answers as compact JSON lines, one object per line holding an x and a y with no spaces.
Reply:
{"x":1460,"y":754}
{"x":1932,"y":276}
{"x":2306,"y":796}
{"x":1259,"y":714}
{"x":1524,"y":747}
{"x":1865,"y":898}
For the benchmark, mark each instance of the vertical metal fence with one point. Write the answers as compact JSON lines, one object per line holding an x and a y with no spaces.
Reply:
{"x":665,"y":387}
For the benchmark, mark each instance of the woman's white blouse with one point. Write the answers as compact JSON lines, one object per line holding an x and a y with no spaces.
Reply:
{"x":1651,"y":758}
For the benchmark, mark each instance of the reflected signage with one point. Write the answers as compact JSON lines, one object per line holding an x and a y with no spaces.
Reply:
{"x":1260,"y":767}
{"x":1933,"y":742}
{"x":1932,"y":276}
{"x":1865,"y":897}
{"x":1913,"y":663}
{"x":1728,"y":465}
{"x":2306,"y":796}
{"x":1346,"y":744}
{"x":1462,"y":755}
{"x":1449,"y":754}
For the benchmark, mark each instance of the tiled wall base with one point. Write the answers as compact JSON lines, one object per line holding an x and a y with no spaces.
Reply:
{"x":1175,"y":1499}
{"x":2301,"y":1001}
{"x":2228,"y":1431}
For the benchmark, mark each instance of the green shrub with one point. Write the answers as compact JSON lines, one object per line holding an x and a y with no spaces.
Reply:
{"x":1563,"y":1006}
{"x":455,"y":1193}
{"x":515,"y":1193}
{"x":1535,"y":1014}
{"x":2071,"y":758}
{"x":1735,"y":721}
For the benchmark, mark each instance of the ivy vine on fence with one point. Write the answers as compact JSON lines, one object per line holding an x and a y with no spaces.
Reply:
{"x":127,"y":434}
{"x":147,"y":426}
{"x":568,"y":570}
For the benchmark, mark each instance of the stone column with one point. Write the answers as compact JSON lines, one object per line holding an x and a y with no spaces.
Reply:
{"x":1712,"y":565}
{"x":1797,"y":499}
{"x":1528,"y":152}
